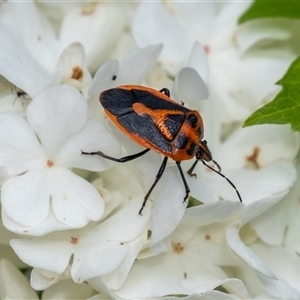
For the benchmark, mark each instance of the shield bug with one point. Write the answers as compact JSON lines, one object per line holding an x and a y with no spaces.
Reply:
{"x":156,"y":122}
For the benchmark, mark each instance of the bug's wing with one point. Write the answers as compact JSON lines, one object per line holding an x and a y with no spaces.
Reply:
{"x":144,"y":131}
{"x":119,"y":103}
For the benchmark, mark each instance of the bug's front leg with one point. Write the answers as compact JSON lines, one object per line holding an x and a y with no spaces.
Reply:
{"x":191,"y":169}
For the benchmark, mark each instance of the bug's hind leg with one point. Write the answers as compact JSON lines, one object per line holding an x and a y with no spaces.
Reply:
{"x":187,"y":189}
{"x":157,"y":178}
{"x":121,"y":160}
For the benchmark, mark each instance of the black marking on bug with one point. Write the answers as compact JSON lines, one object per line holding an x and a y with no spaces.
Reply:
{"x":114,"y":77}
{"x":191,"y":149}
{"x":173,"y":123}
{"x":153,"y":102}
{"x":181,"y":141}
{"x":117,"y":101}
{"x":143,"y":126}
{"x":192,"y":120}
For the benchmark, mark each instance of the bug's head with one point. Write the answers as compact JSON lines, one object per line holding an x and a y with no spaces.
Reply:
{"x":203,"y":152}
{"x":204,"y":155}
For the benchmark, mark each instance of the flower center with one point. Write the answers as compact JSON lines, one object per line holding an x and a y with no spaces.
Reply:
{"x":253,"y":158}
{"x":50,"y":163}
{"x":77,"y":73}
{"x":74,"y":240}
{"x":178,"y":248}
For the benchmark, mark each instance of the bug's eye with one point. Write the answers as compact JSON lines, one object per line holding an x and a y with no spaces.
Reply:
{"x":204,"y":142}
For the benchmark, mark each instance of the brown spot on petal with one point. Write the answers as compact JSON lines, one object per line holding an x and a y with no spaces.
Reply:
{"x":253,"y":158}
{"x":206,"y":49}
{"x":74,"y":240}
{"x":50,"y":163}
{"x":77,"y":73}
{"x":207,"y":237}
{"x":178,"y":248}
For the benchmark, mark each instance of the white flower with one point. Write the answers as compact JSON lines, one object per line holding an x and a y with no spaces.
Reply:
{"x":193,"y":262}
{"x":38,"y":156}
{"x":189,"y":30}
{"x":34,"y":58}
{"x":13,"y":284}
{"x":97,"y":250}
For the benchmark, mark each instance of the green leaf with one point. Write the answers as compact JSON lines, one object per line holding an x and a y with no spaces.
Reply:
{"x":272,"y":9}
{"x":285,"y":108}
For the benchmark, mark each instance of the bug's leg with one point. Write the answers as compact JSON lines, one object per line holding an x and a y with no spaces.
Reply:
{"x":187,"y":189}
{"x":121,"y":160}
{"x":165,"y":91}
{"x":191,"y":169}
{"x":158,"y":176}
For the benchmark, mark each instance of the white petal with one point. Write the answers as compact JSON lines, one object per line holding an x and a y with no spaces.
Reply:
{"x":103,"y":79}
{"x":253,"y":185}
{"x":286,"y":266}
{"x":99,"y":284}
{"x":100,"y":260}
{"x":128,"y":221}
{"x":41,"y":280}
{"x":267,"y":225}
{"x":267,"y":143}
{"x":68,"y":289}
{"x":93,"y":137}
{"x":189,"y":86}
{"x":74,"y":200}
{"x":244,"y":252}
{"x":198,"y":17}
{"x":89,"y":26}
{"x":29,"y":203}
{"x":52,"y":254}
{"x":257,"y":208}
{"x":13,"y":284}
{"x":278,"y":288}
{"x":34,"y":31}
{"x":213,"y":212}
{"x":145,"y":279}
{"x":253,"y":32}
{"x":235,"y":286}
{"x":26,"y":74}
{"x":56,"y":115}
{"x":165,"y":29}
{"x":19,"y":145}
{"x":225,"y":24}
{"x":116,"y":279}
{"x":198,"y":61}
{"x":137,"y":63}
{"x":50,"y":224}
{"x":168,"y":207}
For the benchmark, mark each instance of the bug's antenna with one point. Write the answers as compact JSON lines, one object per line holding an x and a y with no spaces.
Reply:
{"x":222,"y":175}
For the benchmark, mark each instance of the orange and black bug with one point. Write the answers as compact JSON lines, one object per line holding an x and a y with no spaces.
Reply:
{"x":153,"y":120}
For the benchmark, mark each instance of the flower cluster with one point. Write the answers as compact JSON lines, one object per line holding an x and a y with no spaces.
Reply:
{"x":71,"y":221}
